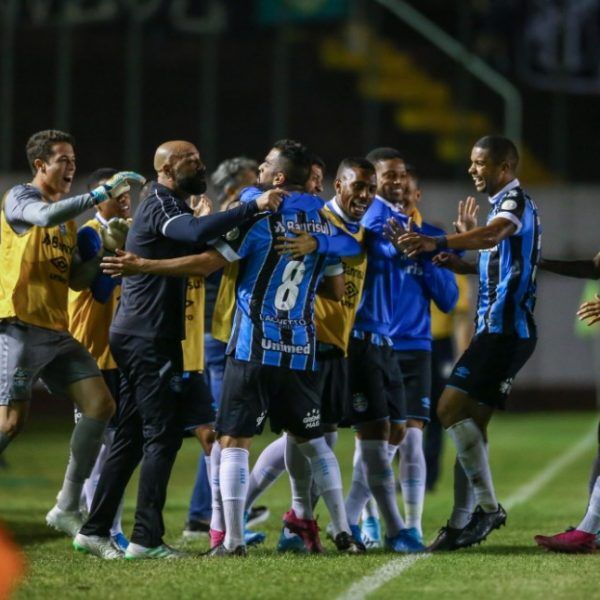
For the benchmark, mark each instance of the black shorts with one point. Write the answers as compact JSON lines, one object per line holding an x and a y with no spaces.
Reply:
{"x":415,"y":366}
{"x":489,"y":365}
{"x":252,"y":391}
{"x":334,"y":385}
{"x":376,"y":387}
{"x":198,"y":406}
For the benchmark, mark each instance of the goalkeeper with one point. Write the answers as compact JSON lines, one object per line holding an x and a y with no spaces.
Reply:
{"x":91,"y":311}
{"x":39,"y":261}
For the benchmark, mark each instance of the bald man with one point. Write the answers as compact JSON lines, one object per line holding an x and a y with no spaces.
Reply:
{"x":145,"y":340}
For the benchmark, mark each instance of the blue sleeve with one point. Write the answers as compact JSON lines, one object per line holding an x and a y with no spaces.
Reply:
{"x":242,"y":241}
{"x":197,"y":230}
{"x":441,"y":285}
{"x":339,"y":244}
{"x":378,"y":245}
{"x":103,"y":286}
{"x":250,"y":193}
{"x":89,"y":243}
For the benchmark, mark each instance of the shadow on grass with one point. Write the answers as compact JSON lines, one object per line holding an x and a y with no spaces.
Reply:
{"x":27,"y":533}
{"x":505,"y":550}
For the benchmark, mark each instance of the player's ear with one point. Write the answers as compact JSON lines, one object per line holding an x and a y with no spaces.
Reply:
{"x":337,"y":184}
{"x":39,"y":165}
{"x":279,"y":179}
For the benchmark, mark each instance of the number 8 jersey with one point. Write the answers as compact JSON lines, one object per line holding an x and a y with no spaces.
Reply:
{"x":274,"y":318}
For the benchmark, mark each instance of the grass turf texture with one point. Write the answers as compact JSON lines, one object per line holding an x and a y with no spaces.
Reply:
{"x":507,"y":565}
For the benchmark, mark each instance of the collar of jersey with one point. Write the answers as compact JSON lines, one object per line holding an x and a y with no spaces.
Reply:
{"x":301,"y":201}
{"x":391,"y":206}
{"x":101,"y":220}
{"x":333,"y":205}
{"x":509,"y":186}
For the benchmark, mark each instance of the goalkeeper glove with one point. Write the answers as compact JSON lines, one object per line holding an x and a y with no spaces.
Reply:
{"x":118,"y":184}
{"x":114,"y":234}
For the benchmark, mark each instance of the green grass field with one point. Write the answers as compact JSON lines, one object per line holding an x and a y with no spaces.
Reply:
{"x":523,"y":448}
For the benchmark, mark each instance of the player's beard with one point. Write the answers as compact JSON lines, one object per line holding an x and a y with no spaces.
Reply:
{"x":194,"y":185}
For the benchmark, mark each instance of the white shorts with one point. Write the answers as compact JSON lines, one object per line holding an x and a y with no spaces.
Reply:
{"x":29,"y":353}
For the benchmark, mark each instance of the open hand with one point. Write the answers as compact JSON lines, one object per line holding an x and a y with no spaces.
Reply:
{"x":467,"y":215}
{"x":303,"y":243}
{"x":590,"y":311}
{"x":122,"y":265}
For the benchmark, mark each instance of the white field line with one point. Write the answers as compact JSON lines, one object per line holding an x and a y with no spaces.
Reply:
{"x":395,"y":567}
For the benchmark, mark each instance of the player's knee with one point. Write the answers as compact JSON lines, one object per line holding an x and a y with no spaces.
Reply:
{"x":446,"y":412}
{"x":101,"y":407}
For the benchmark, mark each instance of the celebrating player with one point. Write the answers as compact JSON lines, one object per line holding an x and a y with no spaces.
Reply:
{"x":509,"y":249}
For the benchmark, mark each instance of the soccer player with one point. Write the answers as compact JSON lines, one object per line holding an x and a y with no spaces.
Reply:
{"x":355,"y":187}
{"x":90,"y":314}
{"x":39,"y":261}
{"x":270,"y":370}
{"x":145,"y":340}
{"x":314,"y":184}
{"x":422,"y":283}
{"x":583,"y":538}
{"x":509,"y":250}
{"x":378,"y":409}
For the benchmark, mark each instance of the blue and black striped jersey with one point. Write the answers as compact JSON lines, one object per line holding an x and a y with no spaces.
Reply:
{"x":507,"y":288}
{"x":274,"y":319}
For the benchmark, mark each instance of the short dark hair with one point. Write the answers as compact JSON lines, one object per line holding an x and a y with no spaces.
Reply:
{"x":39,"y":145}
{"x":355,"y":162}
{"x":378,"y":154}
{"x":500,"y":149}
{"x":99,"y":175}
{"x":315,"y":159}
{"x":228,"y":172}
{"x":295,"y":161}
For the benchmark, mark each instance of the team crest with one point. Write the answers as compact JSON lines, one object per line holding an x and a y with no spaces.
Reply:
{"x":360,"y":402}
{"x":506,"y":385}
{"x":233,"y":234}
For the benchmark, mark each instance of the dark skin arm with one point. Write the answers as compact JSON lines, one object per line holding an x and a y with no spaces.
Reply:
{"x":454,"y":263}
{"x":581,"y":269}
{"x":479,"y":238}
{"x":127,"y":263}
{"x":332,"y":288}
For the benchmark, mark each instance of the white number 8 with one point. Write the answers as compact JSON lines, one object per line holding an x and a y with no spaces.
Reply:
{"x":287,"y":293}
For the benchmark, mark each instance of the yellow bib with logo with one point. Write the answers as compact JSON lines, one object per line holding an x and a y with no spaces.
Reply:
{"x":334,"y":320}
{"x":222,"y":319}
{"x":89,"y":320}
{"x":34,"y":273}
{"x":193,"y":345}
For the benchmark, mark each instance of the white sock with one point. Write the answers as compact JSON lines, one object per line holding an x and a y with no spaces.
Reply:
{"x":392,"y":449}
{"x":370,"y":509}
{"x":472,"y":454}
{"x":300,"y":472}
{"x":375,"y":457}
{"x":331,"y":438}
{"x":359,"y":492}
{"x":234,"y":474}
{"x":464,"y":498}
{"x":412,"y":476}
{"x":591,"y":521}
{"x":217,"y":520}
{"x":117,"y":526}
{"x":327,"y":476}
{"x":91,"y":483}
{"x":268,"y":467}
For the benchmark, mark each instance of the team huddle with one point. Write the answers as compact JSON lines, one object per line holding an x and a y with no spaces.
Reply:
{"x":323,"y":312}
